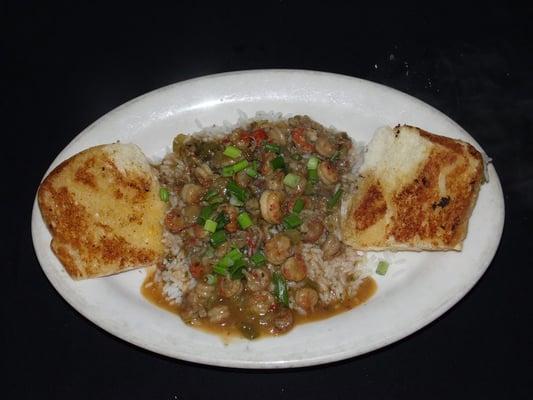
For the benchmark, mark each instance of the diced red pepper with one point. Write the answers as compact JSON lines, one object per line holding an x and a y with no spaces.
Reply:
{"x":250,"y":243}
{"x":196,"y":269}
{"x":259,"y":135}
{"x":299,"y":138}
{"x":245,"y":135}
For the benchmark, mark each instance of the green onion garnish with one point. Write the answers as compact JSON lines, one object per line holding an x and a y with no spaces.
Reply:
{"x":210,"y":225}
{"x":312,"y":163}
{"x":258,"y":258}
{"x":222,"y":220}
{"x":235,"y":271}
{"x":218,"y":238}
{"x":292,"y":221}
{"x":274,"y":148}
{"x":211,"y":279}
{"x":252,"y":169}
{"x":291,"y":180}
{"x":220,"y":269}
{"x":251,"y":172}
{"x":237,"y":191}
{"x":280,"y":288}
{"x":164,"y":194}
{"x":298,"y":206}
{"x":278,"y":163}
{"x":227,"y":171}
{"x":335,"y":155}
{"x":312,"y":176}
{"x":382,"y":268}
{"x":216,"y":200}
{"x":234,"y":254}
{"x":210,"y":194}
{"x":244,"y":220}
{"x":240,"y":166}
{"x":235,"y":201}
{"x":232,"y":152}
{"x":205,"y":214}
{"x":335,"y":199}
{"x":232,"y":262}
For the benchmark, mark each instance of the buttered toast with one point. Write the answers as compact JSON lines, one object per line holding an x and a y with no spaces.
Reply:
{"x":416,"y":192}
{"x":103,"y":209}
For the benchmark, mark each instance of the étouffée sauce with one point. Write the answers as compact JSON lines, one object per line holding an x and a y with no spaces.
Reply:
{"x":152,"y":291}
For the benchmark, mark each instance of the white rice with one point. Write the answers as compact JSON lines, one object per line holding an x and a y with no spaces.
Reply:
{"x":337,"y":279}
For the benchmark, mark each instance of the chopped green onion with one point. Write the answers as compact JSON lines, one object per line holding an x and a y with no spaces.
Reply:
{"x":312,"y":163}
{"x":234,"y":254}
{"x":298,"y":206}
{"x":335,"y":155}
{"x":232,"y":152}
{"x":312,"y":176}
{"x":211,"y":279}
{"x":251,"y":172}
{"x":237,"y":191}
{"x":218,"y":238}
{"x":240,"y":166}
{"x":164,"y":194}
{"x":252,"y":169}
{"x":222,"y":220}
{"x":205,"y":214}
{"x":227,"y":171}
{"x":335,"y":199}
{"x":274,"y":148}
{"x":225,"y":261}
{"x":210,"y":225}
{"x":258,"y":258}
{"x":278,"y":163}
{"x":296,"y":156}
{"x":292,"y":221}
{"x":235,"y":201}
{"x":232,"y":262}
{"x":291,"y":180}
{"x":382,"y":268}
{"x":210,"y":194}
{"x":235,"y":270}
{"x":216,"y":200}
{"x":244,"y":220}
{"x":220,"y":269}
{"x":280,"y":288}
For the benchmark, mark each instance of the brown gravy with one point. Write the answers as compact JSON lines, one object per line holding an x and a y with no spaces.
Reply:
{"x":151,"y":290}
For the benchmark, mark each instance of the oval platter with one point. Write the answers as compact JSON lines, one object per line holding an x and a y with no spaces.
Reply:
{"x":418,"y":288}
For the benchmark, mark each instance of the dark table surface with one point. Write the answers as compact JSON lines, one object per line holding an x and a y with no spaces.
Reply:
{"x":69,"y":64}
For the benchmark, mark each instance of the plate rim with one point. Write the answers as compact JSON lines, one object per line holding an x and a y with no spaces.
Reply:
{"x":252,"y":364}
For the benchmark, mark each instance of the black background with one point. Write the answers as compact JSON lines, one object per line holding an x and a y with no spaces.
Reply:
{"x":68,"y":64}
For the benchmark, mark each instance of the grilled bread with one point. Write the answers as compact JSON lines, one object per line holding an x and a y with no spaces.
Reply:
{"x":416,"y":192}
{"x":103,"y":209}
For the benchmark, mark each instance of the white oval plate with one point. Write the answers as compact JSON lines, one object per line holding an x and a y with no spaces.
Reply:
{"x":418,"y":288}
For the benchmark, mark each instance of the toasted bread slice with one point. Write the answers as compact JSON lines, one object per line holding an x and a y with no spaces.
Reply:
{"x":103,"y":209}
{"x":416,"y":192}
